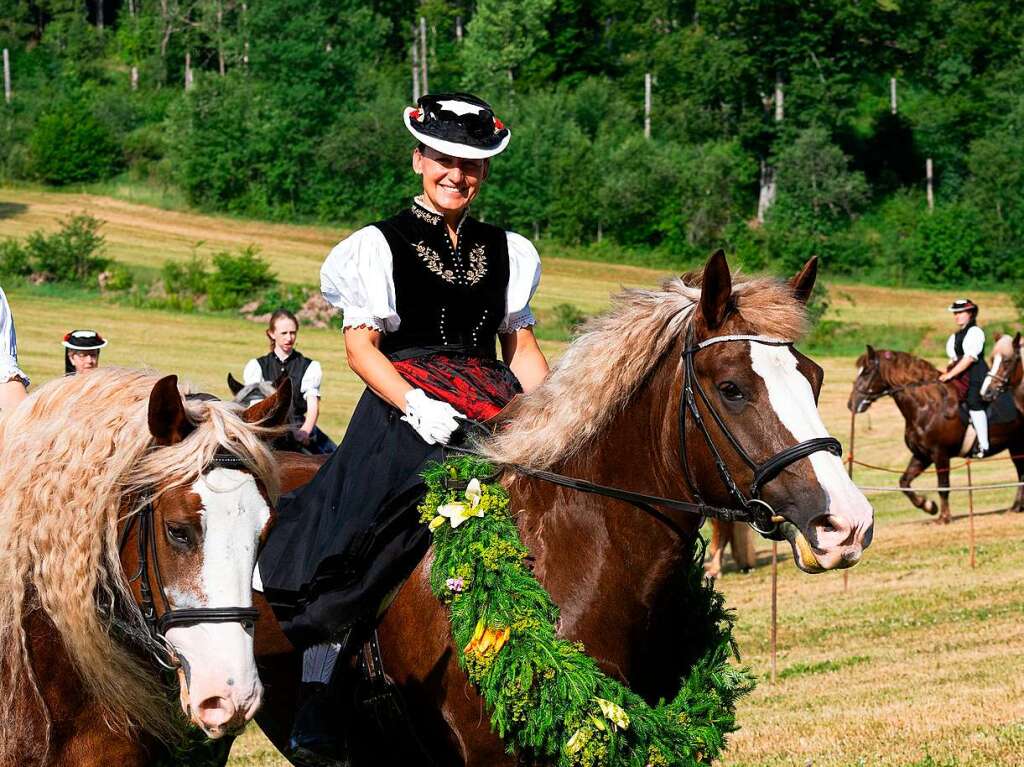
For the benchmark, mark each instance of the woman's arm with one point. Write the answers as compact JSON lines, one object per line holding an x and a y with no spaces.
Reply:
{"x":522,"y":353}
{"x":11,"y":393}
{"x":965,"y":362}
{"x":362,"y":345}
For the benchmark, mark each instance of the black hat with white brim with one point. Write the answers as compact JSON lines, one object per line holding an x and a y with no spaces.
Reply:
{"x":963,"y":305}
{"x":83,"y":340}
{"x":458,"y":125}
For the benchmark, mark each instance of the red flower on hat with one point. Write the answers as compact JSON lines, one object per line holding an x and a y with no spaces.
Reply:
{"x":498,"y":124}
{"x":67,"y":336}
{"x":415,"y":114}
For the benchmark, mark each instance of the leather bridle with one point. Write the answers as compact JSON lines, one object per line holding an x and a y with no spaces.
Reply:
{"x":868,"y":397}
{"x":749,"y":508}
{"x":170,"y":617}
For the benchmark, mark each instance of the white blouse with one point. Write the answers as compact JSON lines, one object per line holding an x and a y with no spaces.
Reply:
{"x":357,"y":278}
{"x":974,"y":344}
{"x":309,"y":386}
{"x":9,"y":369}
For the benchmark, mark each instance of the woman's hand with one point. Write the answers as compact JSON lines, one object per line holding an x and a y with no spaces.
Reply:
{"x":432,"y":419}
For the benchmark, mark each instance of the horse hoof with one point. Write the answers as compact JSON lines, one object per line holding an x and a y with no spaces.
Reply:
{"x":931,"y":507}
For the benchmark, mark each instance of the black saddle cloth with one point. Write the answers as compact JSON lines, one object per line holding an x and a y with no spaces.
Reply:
{"x":1001,"y":410}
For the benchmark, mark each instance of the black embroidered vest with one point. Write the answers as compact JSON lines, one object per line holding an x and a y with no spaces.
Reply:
{"x":295,"y":366}
{"x":958,"y":342}
{"x":447,"y":296}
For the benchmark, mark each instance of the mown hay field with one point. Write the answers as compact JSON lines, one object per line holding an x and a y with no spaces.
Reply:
{"x":919,"y":661}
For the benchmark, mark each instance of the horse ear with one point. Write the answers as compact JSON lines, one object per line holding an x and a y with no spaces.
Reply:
{"x":871,"y":352}
{"x":716,"y":290}
{"x":803,"y":282}
{"x":272,"y":411}
{"x":996,"y":336}
{"x":1016,"y":340}
{"x":168,"y":422}
{"x":234,"y":385}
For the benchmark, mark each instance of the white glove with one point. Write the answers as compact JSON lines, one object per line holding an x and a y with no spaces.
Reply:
{"x":432,"y":419}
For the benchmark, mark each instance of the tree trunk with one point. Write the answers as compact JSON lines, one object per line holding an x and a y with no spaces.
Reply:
{"x":220,"y":37}
{"x":767,"y":193}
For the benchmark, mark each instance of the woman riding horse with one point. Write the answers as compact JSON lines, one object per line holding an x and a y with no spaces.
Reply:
{"x":425,"y":296}
{"x":967,"y":369}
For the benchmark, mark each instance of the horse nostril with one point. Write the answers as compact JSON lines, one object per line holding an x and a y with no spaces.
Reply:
{"x":832,"y":530}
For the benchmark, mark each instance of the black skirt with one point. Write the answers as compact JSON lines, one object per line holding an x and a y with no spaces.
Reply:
{"x":345,"y":540}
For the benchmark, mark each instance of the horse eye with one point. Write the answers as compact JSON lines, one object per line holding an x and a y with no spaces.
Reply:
{"x":180,"y":535}
{"x":730,"y":391}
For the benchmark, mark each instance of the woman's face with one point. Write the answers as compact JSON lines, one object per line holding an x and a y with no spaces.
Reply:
{"x":283,"y":334}
{"x":450,"y":183}
{"x":84,"y":360}
{"x":962,"y":318}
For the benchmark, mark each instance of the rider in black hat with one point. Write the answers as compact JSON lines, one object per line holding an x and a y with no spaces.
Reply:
{"x":82,"y":351}
{"x":426,"y":295}
{"x":967,"y":367}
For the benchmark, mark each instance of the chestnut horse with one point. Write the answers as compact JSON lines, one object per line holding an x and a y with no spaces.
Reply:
{"x":609,"y":412}
{"x":935,"y":431}
{"x":1005,"y":373}
{"x":129,"y":524}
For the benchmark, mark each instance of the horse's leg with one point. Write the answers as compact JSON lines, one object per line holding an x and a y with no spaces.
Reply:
{"x":942,"y":473}
{"x":742,"y":543}
{"x":720,"y":533}
{"x":914,"y":469}
{"x":1017,"y":453}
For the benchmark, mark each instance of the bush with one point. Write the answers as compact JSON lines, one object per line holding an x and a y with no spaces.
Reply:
{"x":72,"y":254}
{"x":188,"y":280}
{"x":569,"y":317}
{"x":14,"y":260}
{"x":69,"y":145}
{"x":290,"y":297}
{"x":117,"y":278}
{"x":237,"y":279}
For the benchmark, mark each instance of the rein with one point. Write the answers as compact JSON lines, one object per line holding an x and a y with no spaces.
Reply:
{"x":170,"y":617}
{"x":750,"y":507}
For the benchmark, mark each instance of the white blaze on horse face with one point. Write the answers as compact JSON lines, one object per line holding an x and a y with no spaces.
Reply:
{"x":997,"y":360}
{"x":845,"y":525}
{"x":224,"y":688}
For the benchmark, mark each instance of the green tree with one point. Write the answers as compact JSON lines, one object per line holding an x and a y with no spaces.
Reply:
{"x":501,"y":39}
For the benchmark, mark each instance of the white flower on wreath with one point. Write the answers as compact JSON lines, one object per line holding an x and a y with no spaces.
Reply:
{"x":458,"y":512}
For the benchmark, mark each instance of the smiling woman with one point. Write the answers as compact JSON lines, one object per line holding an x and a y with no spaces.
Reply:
{"x":427,"y":296}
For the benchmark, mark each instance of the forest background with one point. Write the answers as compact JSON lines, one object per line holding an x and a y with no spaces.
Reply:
{"x":773,"y":129}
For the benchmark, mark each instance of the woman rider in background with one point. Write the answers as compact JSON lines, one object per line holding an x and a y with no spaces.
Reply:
{"x":82,"y":351}
{"x":967,"y":368}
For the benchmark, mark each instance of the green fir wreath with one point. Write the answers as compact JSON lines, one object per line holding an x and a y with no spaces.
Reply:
{"x":547,"y":697}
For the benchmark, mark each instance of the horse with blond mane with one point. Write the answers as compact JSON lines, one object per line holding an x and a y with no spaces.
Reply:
{"x":129,"y":523}
{"x":620,"y":409}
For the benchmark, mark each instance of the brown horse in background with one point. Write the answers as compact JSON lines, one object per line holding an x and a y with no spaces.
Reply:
{"x":934,"y":432}
{"x":739,"y":537}
{"x":608,"y":413}
{"x":1006,"y":372}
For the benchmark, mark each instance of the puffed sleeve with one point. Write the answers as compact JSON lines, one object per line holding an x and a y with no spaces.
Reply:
{"x":311,"y":380}
{"x":523,"y":279}
{"x":974,"y":342}
{"x":252,"y":373}
{"x":9,"y":369}
{"x":357,"y":278}
{"x":951,"y":347}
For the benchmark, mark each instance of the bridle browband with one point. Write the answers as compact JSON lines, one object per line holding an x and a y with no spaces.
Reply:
{"x":171,"y":617}
{"x":750,"y":507}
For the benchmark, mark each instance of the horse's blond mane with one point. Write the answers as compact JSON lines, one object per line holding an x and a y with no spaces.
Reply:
{"x":74,"y":459}
{"x":603,"y":368}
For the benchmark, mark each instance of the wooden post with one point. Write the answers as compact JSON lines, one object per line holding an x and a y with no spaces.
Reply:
{"x":931,"y":191}
{"x":892,"y":95}
{"x":99,"y":14}
{"x":135,"y":78}
{"x":647,"y":105}
{"x":779,"y":99}
{"x":423,"y":54}
{"x":458,"y":28}
{"x":775,"y":614}
{"x":7,"y":76}
{"x":245,"y":26}
{"x":221,"y":65}
{"x":970,"y":512}
{"x":188,"y":71}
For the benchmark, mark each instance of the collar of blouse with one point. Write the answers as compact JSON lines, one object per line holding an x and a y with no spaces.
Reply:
{"x":435,"y":217}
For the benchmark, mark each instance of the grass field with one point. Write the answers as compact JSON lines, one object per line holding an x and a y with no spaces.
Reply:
{"x":919,"y":663}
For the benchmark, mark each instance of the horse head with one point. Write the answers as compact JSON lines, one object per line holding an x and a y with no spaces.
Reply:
{"x":251,"y":394}
{"x":870,"y":383}
{"x":193,"y":548}
{"x":756,"y":422}
{"x":1005,"y":372}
